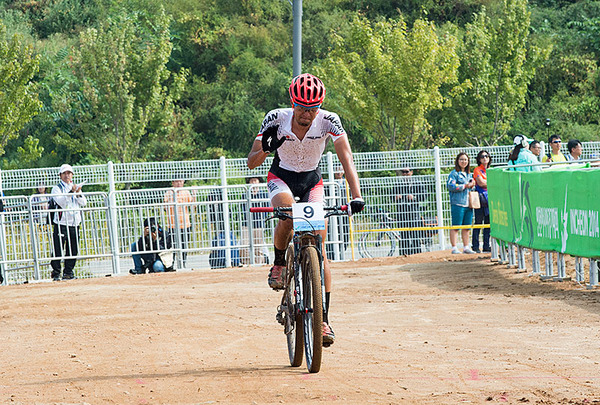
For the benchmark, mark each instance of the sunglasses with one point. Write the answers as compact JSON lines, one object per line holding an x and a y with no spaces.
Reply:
{"x":311,"y":110}
{"x":487,"y":156}
{"x":405,"y":171}
{"x":556,"y":141}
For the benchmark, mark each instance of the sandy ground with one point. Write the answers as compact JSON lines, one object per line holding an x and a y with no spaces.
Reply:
{"x":428,"y":329}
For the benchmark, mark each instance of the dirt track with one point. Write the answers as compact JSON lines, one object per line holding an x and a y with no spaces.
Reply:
{"x":415,"y":330}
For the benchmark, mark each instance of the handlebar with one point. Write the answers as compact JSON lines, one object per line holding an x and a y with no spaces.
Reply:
{"x":284,"y":212}
{"x":274,"y":209}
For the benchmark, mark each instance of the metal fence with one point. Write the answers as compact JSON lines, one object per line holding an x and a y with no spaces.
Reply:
{"x":208,"y":224}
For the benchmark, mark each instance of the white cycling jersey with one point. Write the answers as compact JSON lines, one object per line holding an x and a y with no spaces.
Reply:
{"x":302,"y":155}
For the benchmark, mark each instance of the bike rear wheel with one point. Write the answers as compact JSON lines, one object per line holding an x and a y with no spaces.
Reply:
{"x":294,"y":327}
{"x":377,"y":244}
{"x":312,"y":314}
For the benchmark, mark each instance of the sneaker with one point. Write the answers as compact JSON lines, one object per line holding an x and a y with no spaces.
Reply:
{"x":55,"y":278}
{"x":66,"y":278}
{"x":476,"y":250}
{"x":328,"y":335}
{"x":276,"y":277}
{"x":486,"y":249}
{"x":468,"y":251}
{"x":455,"y":250}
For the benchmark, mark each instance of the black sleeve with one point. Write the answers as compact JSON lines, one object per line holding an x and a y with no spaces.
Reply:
{"x":140,"y":245}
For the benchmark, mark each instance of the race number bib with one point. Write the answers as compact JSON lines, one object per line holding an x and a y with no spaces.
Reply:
{"x":308,"y":216}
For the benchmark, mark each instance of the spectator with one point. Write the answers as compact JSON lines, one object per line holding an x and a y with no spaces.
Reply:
{"x":556,"y":155}
{"x":409,"y":193}
{"x":520,"y":155}
{"x":39,"y":204}
{"x":69,"y":199}
{"x":153,"y":239}
{"x":482,"y":214}
{"x":536,"y":148}
{"x":216,"y":217}
{"x":258,"y":198}
{"x":460,"y":181}
{"x":182,"y":223}
{"x":575,"y":150}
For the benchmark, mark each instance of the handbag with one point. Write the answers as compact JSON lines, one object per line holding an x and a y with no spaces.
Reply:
{"x":167,"y":258}
{"x":474,"y":202}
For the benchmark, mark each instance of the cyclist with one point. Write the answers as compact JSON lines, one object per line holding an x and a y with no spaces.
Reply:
{"x":298,"y":136}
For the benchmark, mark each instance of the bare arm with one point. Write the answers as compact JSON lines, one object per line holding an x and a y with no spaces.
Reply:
{"x":342,"y":148}
{"x":257,"y":156}
{"x":481,"y":182}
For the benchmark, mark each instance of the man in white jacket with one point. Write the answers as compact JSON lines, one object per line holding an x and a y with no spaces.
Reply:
{"x":69,"y":198}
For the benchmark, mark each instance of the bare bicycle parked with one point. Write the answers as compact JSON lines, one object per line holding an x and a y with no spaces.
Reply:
{"x":383,"y":241}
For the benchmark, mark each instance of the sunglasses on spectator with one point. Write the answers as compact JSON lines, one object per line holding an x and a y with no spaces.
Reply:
{"x":405,"y":171}
{"x":487,"y":156}
{"x":556,"y":141}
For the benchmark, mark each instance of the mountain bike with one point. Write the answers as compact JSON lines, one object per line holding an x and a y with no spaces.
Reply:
{"x":302,"y":305}
{"x":382,"y":243}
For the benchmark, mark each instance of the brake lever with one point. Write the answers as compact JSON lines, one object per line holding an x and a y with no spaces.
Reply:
{"x":280,"y":215}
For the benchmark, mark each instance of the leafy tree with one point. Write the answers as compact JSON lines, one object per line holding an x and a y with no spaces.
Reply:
{"x":388,"y":77}
{"x":126,"y":97}
{"x":497,"y":65}
{"x":18,"y":93}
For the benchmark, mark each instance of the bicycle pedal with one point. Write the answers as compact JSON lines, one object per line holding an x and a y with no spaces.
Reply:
{"x":279,"y":318}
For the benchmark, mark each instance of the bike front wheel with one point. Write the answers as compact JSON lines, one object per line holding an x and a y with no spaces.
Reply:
{"x":312,"y":296}
{"x":377,"y":244}
{"x":293,"y":323}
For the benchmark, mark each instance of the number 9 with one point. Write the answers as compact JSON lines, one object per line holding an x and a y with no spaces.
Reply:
{"x":309,"y":212}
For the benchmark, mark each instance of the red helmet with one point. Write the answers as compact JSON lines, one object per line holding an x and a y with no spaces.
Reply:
{"x":307,"y":90}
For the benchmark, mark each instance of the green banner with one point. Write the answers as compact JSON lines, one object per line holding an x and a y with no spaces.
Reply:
{"x":555,"y":210}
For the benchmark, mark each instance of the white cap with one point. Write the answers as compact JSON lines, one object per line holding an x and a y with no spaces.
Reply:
{"x":65,"y":168}
{"x":522,"y":140}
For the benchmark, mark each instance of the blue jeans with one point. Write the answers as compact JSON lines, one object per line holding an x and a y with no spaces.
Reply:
{"x":140,"y":259}
{"x":481,"y":218}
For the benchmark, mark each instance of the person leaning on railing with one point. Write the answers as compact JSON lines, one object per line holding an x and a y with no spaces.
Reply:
{"x":555,"y":155}
{"x":521,"y":155}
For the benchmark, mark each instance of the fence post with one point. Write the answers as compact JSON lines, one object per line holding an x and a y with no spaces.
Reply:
{"x":438,"y":196}
{"x":535,"y":261}
{"x":502,"y":252}
{"x":177,"y":230}
{"x":521,"y":259}
{"x":112,"y":224}
{"x":579,"y":273}
{"x":561,"y":267}
{"x":334,"y":220}
{"x":549,"y":267}
{"x":494,"y":250}
{"x":33,"y":236}
{"x":225,"y":199}
{"x":250,"y":227}
{"x":593,"y":273}
{"x":511,"y":255}
{"x":2,"y":239}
